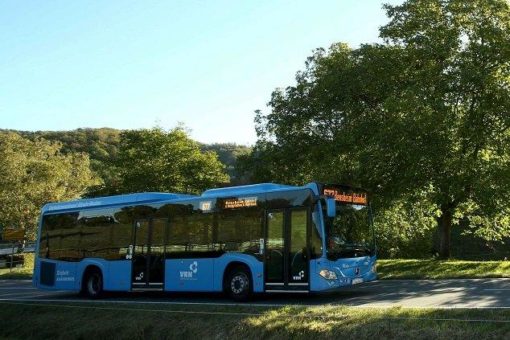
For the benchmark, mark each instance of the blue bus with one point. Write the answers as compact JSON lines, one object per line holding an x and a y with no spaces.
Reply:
{"x":260,"y":238}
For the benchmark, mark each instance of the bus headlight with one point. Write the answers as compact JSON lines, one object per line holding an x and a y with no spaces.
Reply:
{"x":328,"y":274}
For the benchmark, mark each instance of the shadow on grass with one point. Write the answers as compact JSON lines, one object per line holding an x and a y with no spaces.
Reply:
{"x":227,"y":322}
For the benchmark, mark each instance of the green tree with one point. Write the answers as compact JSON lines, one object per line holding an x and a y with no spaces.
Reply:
{"x":100,"y":144}
{"x":423,"y":116}
{"x":102,"y":147}
{"x":34,"y":173}
{"x":157,"y":160}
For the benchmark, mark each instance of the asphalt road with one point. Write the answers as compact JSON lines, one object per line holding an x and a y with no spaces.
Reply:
{"x":458,"y":293}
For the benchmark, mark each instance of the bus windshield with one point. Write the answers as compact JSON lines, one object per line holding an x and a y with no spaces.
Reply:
{"x":350,"y":233}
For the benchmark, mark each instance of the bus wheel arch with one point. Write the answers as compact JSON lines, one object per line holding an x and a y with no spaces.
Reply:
{"x":92,"y":282}
{"x":238,"y":281}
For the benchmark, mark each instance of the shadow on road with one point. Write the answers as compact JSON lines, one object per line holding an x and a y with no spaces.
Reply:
{"x":409,"y":293}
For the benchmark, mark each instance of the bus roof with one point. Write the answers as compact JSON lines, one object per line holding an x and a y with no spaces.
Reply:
{"x":146,"y":197}
{"x":155,"y":197}
{"x":246,"y":190}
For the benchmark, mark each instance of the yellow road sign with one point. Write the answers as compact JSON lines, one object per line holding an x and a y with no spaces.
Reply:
{"x":13,"y":234}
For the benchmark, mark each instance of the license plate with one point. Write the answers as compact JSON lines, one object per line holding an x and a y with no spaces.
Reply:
{"x":357,"y":280}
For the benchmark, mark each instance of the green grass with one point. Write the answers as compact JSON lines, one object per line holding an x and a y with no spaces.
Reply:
{"x":441,"y":269}
{"x":16,"y":274}
{"x":24,"y":273}
{"x":115,"y":321}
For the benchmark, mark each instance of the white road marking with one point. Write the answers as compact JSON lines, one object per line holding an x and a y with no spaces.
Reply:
{"x":383,"y":294}
{"x":219,"y":304}
{"x":321,"y":316}
{"x":141,"y":302}
{"x":14,"y":294}
{"x":30,"y":295}
{"x":148,"y":310}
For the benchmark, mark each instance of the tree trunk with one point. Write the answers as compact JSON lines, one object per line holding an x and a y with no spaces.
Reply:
{"x":445,"y":230}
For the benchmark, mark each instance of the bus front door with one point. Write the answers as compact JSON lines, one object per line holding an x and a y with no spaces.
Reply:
{"x":286,"y":252}
{"x":148,"y":254}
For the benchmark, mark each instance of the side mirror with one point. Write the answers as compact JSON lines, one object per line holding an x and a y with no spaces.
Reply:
{"x":331,"y":207}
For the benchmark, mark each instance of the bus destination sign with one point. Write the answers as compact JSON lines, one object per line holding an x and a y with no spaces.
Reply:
{"x":346,"y":196}
{"x":234,"y":203}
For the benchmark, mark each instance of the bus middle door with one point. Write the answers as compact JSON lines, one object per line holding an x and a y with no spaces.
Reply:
{"x":148,"y":254}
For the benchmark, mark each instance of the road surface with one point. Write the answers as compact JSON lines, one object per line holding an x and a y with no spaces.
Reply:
{"x":458,"y":293}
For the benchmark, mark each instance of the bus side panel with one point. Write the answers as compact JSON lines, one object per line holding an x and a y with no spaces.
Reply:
{"x":100,"y":263}
{"x":116,"y":274}
{"x":256,"y":267}
{"x":119,"y":276}
{"x":186,"y":275}
{"x":57,"y":275}
{"x":61,"y":275}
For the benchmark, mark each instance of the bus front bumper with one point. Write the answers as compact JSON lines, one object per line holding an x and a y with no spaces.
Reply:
{"x":333,"y":275}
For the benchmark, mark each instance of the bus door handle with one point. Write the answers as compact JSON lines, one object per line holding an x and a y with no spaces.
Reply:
{"x":262,"y":247}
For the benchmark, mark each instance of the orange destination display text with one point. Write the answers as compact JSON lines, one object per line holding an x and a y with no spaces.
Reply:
{"x":240,"y":203}
{"x":346,"y":197}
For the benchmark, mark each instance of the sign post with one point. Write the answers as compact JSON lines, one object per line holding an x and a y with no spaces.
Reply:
{"x":12,"y":258}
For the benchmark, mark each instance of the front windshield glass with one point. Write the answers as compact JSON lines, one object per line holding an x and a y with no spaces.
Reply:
{"x":350,"y":233}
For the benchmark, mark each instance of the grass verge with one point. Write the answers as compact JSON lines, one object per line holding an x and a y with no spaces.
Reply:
{"x":16,"y":274}
{"x":24,"y":273}
{"x":104,"y":320}
{"x":441,"y":269}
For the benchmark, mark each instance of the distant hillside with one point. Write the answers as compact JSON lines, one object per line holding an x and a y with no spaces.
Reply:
{"x":102,"y":146}
{"x":228,"y":154}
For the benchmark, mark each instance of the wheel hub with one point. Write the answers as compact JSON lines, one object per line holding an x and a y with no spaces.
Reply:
{"x":238,"y":284}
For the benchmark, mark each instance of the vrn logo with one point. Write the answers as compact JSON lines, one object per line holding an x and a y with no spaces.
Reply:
{"x":190,"y":274}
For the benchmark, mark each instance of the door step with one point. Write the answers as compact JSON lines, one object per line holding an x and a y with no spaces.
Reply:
{"x":143,"y":286}
{"x":289,"y":288}
{"x":147,"y":289}
{"x":286,"y":291}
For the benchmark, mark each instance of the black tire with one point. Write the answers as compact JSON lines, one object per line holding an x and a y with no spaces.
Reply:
{"x":238,"y":283}
{"x":92,"y":286}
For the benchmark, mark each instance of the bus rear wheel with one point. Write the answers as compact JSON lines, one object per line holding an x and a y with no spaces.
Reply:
{"x":238,"y":283}
{"x":93,"y":284}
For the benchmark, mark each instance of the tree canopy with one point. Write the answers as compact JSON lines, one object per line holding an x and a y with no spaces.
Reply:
{"x":102,"y":146}
{"x":34,"y":173}
{"x":422,"y":116}
{"x":42,"y":167}
{"x":167,"y":161}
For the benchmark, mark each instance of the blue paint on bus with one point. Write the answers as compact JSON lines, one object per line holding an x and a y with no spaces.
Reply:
{"x":332,"y":262}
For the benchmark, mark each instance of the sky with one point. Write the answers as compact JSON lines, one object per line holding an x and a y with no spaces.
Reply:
{"x":137,"y":64}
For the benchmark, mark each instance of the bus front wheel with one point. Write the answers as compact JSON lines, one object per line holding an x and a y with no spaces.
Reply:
{"x":93,"y":284}
{"x":238,"y":284}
